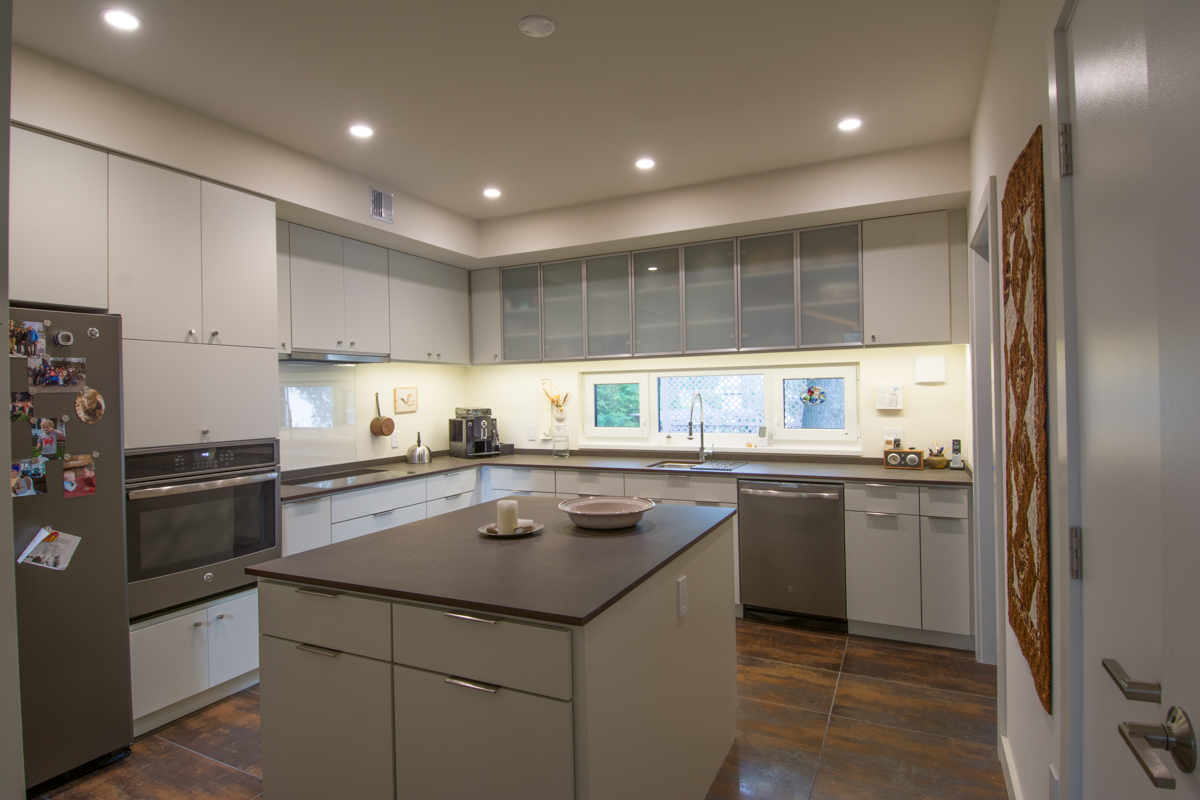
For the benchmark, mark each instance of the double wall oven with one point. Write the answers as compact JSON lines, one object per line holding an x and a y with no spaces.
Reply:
{"x":196,"y":517}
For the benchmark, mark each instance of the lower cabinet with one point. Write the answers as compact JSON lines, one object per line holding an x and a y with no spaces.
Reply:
{"x":510,"y":744}
{"x":379,"y":521}
{"x":306,"y":524}
{"x":946,"y":575}
{"x":883,"y":568}
{"x":443,"y":505}
{"x":326,"y":724}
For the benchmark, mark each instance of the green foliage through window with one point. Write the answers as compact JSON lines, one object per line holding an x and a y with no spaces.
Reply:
{"x":618,"y":405}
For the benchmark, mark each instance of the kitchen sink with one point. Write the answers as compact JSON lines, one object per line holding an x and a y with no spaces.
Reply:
{"x":700,"y":466}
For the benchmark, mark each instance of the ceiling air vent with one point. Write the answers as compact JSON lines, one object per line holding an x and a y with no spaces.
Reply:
{"x":381,"y":206}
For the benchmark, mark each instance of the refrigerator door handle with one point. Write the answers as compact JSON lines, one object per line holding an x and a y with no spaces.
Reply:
{"x":187,"y":488}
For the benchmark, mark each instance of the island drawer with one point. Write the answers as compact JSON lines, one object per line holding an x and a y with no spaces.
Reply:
{"x":325,"y":618}
{"x":589,"y":482}
{"x":483,"y":647}
{"x":443,"y":505}
{"x":529,"y":480}
{"x":941,"y":501}
{"x":450,"y":483}
{"x":361,"y":526}
{"x":364,"y":502}
{"x":884,"y":498}
{"x":681,"y":487}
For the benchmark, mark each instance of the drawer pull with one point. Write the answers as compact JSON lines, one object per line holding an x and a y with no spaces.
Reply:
{"x":326,"y":593}
{"x":321,"y":651}
{"x":472,"y":618}
{"x":880,"y":486}
{"x":938,"y":516}
{"x":482,"y":687}
{"x":879,"y":514}
{"x":382,"y":513}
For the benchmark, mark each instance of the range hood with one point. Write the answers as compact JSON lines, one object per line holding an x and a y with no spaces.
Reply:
{"x":318,"y":357}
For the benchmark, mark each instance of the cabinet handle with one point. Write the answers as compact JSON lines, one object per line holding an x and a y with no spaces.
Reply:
{"x":382,"y":513}
{"x":482,"y":687}
{"x":339,"y":342}
{"x":879,"y":514}
{"x":220,"y":616}
{"x":880,"y":486}
{"x":205,"y":431}
{"x":326,"y":593}
{"x":470,"y":618}
{"x":495,"y":358}
{"x":937,"y":516}
{"x":192,"y":332}
{"x":429,"y":355}
{"x":321,"y":651}
{"x":197,"y":624}
{"x":352,"y":344}
{"x":283,"y":344}
{"x":872,"y":337}
{"x":216,"y":333}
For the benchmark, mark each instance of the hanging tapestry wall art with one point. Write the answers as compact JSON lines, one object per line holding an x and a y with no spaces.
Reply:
{"x":1027,"y":467}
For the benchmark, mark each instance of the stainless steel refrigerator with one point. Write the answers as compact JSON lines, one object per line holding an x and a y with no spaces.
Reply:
{"x":68,"y":473}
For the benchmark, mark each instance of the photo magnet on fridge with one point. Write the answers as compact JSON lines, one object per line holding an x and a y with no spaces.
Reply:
{"x":28,"y":477}
{"x":49,"y":437}
{"x":26,"y":339}
{"x":21,"y":406}
{"x":89,"y":406}
{"x":53,"y":374}
{"x":79,"y":476}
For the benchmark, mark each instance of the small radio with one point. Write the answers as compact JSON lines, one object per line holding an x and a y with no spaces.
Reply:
{"x":904,"y":459}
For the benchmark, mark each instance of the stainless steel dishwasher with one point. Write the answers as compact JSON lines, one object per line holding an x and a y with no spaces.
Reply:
{"x":793,"y":547}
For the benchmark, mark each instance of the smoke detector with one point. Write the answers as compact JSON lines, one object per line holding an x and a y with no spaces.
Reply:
{"x":536,"y":26}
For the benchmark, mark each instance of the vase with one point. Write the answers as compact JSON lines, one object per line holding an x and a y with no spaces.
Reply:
{"x":562,"y":443}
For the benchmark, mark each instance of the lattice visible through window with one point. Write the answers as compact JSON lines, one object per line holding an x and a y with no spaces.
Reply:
{"x":814,"y":404}
{"x":732,"y":403}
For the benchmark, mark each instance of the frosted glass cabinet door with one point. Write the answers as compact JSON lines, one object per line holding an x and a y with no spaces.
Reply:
{"x":656,"y":311}
{"x":608,"y":306}
{"x":710,"y":297}
{"x":767,"y":277}
{"x":830,"y":310}
{"x":521,"y":313}
{"x":562,"y":297}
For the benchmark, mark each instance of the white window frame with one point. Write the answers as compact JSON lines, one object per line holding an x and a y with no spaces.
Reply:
{"x":723,"y":440}
{"x":590,"y":381}
{"x":849,"y":375}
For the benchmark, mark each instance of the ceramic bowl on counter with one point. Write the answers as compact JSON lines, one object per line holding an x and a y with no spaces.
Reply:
{"x":606,"y":512}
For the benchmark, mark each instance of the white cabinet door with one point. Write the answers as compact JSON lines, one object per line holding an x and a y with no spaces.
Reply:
{"x":283,"y":285}
{"x":485,"y":316}
{"x":189,"y":393}
{"x":306,"y":525}
{"x":945,"y":575}
{"x":318,"y":294}
{"x":428,"y":303}
{"x":906,"y":279}
{"x":883,"y":568}
{"x":169,"y":662}
{"x":238,"y":258}
{"x":232,"y":639}
{"x":154,"y":275}
{"x":57,"y":222}
{"x":365,"y":281}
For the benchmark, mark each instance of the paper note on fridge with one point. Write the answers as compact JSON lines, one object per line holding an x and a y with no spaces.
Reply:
{"x":51,"y":549}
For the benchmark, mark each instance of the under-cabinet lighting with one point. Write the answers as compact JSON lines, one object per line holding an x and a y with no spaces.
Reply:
{"x":122,"y":19}
{"x":850,"y":124}
{"x":361,"y":131}
{"x":491,"y":192}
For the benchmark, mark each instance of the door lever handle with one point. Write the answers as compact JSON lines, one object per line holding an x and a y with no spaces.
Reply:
{"x":1133,"y":690}
{"x":1175,"y":736}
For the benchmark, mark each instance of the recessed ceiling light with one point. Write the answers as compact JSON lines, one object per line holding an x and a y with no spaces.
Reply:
{"x":536,"y":26}
{"x":652,"y":269}
{"x":850,"y":124}
{"x":361,"y":131}
{"x":122,"y":19}
{"x":491,"y":192}
{"x":644,"y":163}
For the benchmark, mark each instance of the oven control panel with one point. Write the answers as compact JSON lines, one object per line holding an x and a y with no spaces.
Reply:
{"x":142,"y":465}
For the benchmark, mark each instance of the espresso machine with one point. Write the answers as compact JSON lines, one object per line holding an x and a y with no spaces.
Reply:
{"x":473,"y":433}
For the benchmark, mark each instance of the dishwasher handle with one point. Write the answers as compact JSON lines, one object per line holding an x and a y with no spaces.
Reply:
{"x":791,"y":495}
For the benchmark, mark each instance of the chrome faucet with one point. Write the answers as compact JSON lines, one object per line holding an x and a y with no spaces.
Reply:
{"x":691,"y":415}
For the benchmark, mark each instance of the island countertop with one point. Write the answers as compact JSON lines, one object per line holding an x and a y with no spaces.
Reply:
{"x":562,"y":574}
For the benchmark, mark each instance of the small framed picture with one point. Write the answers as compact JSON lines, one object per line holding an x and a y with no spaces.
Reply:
{"x":406,"y":400}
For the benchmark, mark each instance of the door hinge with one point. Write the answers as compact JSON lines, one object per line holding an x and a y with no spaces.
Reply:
{"x":1076,"y":553}
{"x":1065,"y":167}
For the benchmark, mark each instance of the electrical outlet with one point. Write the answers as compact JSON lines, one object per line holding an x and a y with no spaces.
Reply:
{"x":682,"y":586}
{"x":891,"y":434}
{"x":395,"y":440}
{"x":532,"y":433}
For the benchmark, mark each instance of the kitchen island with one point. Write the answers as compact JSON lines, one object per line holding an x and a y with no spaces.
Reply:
{"x":429,"y":661}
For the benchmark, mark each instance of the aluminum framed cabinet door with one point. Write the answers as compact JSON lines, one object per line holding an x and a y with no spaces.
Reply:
{"x":657,"y":302}
{"x":906,"y":279}
{"x":366,"y":296}
{"x":767,"y":291}
{"x":562,"y":297}
{"x":283,"y":284}
{"x":485,"y":316}
{"x":608,"y":306}
{"x":238,"y":259}
{"x":521,"y":314}
{"x":883,"y":568}
{"x":830,"y":286}
{"x":710,"y":297}
{"x":318,"y":292}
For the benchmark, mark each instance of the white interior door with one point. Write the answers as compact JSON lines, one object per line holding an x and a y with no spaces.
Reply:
{"x":1134,"y":111}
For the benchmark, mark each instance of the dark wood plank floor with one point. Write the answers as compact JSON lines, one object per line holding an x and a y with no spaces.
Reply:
{"x":820,"y":717}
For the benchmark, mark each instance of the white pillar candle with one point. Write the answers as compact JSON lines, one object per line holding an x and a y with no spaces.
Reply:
{"x":506,"y":517}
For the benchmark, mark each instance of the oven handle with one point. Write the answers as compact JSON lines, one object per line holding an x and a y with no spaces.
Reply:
{"x":187,"y":488}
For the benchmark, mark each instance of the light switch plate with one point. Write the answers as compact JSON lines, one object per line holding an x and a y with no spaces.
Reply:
{"x":533,"y":433}
{"x":395,"y":440}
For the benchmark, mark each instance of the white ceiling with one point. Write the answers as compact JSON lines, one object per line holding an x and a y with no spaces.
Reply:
{"x":460,"y":99}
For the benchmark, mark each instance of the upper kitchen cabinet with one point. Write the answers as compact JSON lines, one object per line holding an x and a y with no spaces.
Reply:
{"x":906,"y":279}
{"x":485,"y":316}
{"x":562,"y":301}
{"x":657,"y":328}
{"x":830,"y":297}
{"x":365,"y":283}
{"x":58,"y":222}
{"x":283,"y":284}
{"x":318,"y":292}
{"x":238,"y":265}
{"x":154,"y":250}
{"x":521,"y":313}
{"x":767,"y":291}
{"x":608,"y":319}
{"x":710,"y":297}
{"x":427,"y":298}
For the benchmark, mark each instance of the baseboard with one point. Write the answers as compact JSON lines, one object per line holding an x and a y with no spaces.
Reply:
{"x":1009,"y":767}
{"x":915,"y":635}
{"x":156,"y":719}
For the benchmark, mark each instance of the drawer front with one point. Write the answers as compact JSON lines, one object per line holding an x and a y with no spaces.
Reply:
{"x":945,"y":575}
{"x":681,"y":487}
{"x":452,"y":483}
{"x":505,"y":744}
{"x":445,"y":504}
{"x":589,"y":483}
{"x":361,"y":526}
{"x":886,"y":498}
{"x":937,"y":501}
{"x":364,"y":502}
{"x":323,"y":617}
{"x":883,"y":568}
{"x":519,"y":655}
{"x":528,"y":480}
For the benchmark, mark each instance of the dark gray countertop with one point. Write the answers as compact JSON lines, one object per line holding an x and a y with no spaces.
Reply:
{"x":770,"y":470}
{"x":562,"y":574}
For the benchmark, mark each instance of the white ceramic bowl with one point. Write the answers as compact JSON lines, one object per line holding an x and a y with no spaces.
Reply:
{"x":606,"y":513}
